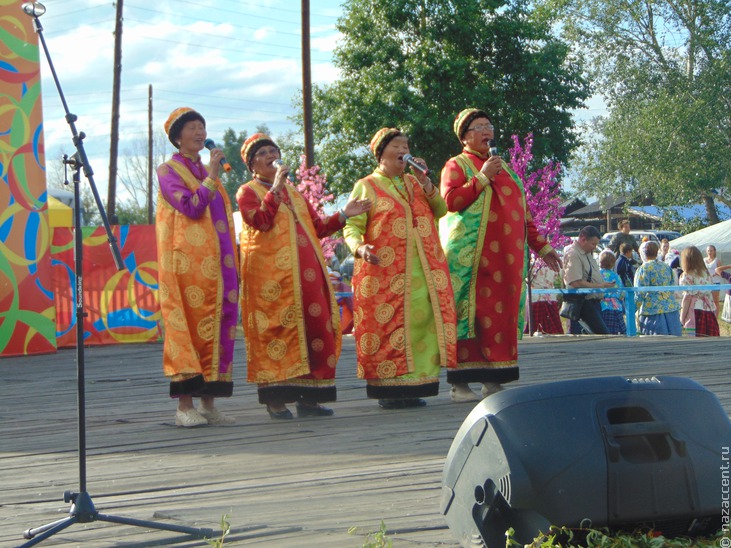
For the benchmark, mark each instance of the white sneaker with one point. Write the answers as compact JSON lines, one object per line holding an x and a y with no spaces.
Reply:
{"x":462,"y":393}
{"x":215,"y":417}
{"x":490,"y":388}
{"x":189,"y":418}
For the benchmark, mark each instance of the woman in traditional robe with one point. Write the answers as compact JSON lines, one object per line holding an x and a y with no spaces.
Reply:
{"x":484,"y":236}
{"x":404,"y":311}
{"x":290,"y":316}
{"x":198,"y":273}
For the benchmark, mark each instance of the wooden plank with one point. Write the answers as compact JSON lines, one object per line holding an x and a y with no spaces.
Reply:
{"x":284,"y":483}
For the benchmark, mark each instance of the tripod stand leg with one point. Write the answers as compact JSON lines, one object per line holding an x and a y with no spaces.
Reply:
{"x":47,"y":530}
{"x":156,"y":525}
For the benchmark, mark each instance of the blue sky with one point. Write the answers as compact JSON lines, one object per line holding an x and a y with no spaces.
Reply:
{"x":237,"y":62}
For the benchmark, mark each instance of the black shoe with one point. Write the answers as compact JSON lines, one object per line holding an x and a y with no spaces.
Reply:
{"x":414,"y":402}
{"x":389,"y":403}
{"x":278,"y":415}
{"x":313,"y":411}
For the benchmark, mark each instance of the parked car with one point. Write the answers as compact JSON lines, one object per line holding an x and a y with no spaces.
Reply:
{"x":346,"y":267}
{"x":653,"y":235}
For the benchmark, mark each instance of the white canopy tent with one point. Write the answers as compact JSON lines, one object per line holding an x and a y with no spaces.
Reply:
{"x":718,"y":235}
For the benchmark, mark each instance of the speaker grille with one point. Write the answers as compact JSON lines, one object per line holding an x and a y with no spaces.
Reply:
{"x":505,"y":487}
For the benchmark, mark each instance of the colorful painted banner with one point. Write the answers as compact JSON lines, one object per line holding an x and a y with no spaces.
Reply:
{"x":121,"y":306}
{"x":27,"y":312}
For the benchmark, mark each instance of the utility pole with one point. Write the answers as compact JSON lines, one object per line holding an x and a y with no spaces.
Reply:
{"x":149,"y":155}
{"x":114,"y":140}
{"x":307,"y":85}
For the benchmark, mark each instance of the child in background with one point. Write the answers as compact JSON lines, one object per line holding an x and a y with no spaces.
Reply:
{"x":612,"y":307}
{"x":698,"y":310}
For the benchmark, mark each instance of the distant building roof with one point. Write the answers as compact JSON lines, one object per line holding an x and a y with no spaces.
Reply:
{"x":685,"y":212}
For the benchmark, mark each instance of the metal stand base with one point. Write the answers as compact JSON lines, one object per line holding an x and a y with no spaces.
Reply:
{"x":83,"y":511}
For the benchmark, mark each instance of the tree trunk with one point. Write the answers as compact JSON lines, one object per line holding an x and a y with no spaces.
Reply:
{"x":711,"y":212}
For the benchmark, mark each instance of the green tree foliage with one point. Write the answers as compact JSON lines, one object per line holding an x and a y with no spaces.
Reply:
{"x":414,"y":64}
{"x":664,"y":69}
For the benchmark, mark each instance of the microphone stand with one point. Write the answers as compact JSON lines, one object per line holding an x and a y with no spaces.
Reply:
{"x":82,"y":508}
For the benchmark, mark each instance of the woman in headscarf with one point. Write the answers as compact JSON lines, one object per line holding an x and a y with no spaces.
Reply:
{"x":404,"y":308}
{"x":290,"y":315}
{"x":485,"y":235}
{"x":198,"y":273}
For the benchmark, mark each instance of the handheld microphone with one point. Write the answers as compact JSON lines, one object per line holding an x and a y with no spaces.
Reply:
{"x":409,"y":159}
{"x":493,"y":147}
{"x":210,"y":145}
{"x":278,"y":162}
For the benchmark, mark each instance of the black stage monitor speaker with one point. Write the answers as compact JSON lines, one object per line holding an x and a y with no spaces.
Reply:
{"x":605,"y":452}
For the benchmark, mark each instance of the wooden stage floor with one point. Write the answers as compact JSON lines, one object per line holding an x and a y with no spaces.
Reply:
{"x":300,"y":483}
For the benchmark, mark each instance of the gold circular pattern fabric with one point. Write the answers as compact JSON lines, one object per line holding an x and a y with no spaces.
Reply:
{"x":195,"y":235}
{"x":276,"y":349}
{"x":271,"y":290}
{"x":176,"y":320}
{"x":386,"y":255}
{"x":210,"y":268}
{"x":466,"y":256}
{"x":369,"y":286}
{"x":369,"y":343}
{"x":384,"y":313}
{"x":288,"y":317}
{"x":424,"y":227}
{"x":397,"y":339}
{"x":399,"y":228}
{"x":181,"y":262}
{"x":440,"y":279}
{"x":194,"y":296}
{"x":206,"y":329}
{"x":261,"y":321}
{"x":398,"y":284}
{"x":386,"y":370}
{"x":283,"y":259}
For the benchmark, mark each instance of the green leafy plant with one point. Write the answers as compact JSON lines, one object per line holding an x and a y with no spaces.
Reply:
{"x":378,"y":539}
{"x":565,"y":537}
{"x":225,"y":530}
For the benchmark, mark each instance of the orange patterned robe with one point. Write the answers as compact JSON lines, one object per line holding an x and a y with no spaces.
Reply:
{"x":198,"y":279}
{"x":290,"y":315}
{"x":404,"y":303}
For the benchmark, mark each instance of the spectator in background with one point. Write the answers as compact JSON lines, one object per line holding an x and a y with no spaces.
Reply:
{"x":622,"y":237}
{"x":712,"y":263}
{"x":626,"y":265}
{"x":664,"y":248}
{"x":723,"y":271}
{"x":612,"y":307}
{"x":544,"y":308}
{"x":698,"y":310}
{"x":581,"y":270}
{"x":658,"y":310}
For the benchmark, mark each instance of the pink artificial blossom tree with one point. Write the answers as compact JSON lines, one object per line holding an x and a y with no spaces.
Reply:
{"x":312,"y":185}
{"x":542,"y":196}
{"x":542,"y":191}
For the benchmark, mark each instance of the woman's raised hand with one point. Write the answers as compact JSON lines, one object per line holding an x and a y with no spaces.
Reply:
{"x":368,"y":253}
{"x":356,"y":207}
